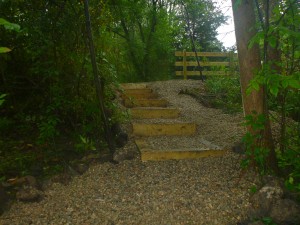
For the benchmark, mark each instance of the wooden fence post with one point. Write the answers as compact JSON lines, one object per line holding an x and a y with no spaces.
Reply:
{"x":184,"y":65}
{"x":231,"y":63}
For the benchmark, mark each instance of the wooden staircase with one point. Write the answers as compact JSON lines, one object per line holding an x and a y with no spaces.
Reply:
{"x":156,"y":126}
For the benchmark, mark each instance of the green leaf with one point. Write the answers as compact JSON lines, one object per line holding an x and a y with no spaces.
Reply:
{"x":4,"y":50}
{"x":272,"y":41}
{"x":294,"y":84}
{"x":285,"y":83}
{"x":274,"y":91}
{"x":256,"y":39}
{"x":2,"y":98}
{"x":9,"y":26}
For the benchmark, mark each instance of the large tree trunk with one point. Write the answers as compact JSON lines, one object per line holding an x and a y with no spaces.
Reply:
{"x":249,"y":58}
{"x":250,"y":62}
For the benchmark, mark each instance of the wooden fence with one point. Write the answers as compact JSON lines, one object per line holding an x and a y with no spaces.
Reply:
{"x":211,"y":64}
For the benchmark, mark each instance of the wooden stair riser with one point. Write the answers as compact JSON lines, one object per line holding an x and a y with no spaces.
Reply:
{"x":138,"y":91}
{"x":139,"y":96}
{"x":143,"y":129}
{"x":152,"y":155}
{"x":129,"y":103}
{"x":151,"y":113}
{"x":127,"y":86}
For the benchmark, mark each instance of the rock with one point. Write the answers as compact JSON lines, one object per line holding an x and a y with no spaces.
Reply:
{"x":81,"y":168}
{"x":269,"y":180}
{"x":120,"y":156}
{"x":239,"y":148}
{"x":28,"y":194}
{"x":27,"y":181}
{"x":63,"y":178}
{"x":121,"y":140}
{"x":285,"y":211}
{"x":91,"y":158}
{"x":263,"y":200}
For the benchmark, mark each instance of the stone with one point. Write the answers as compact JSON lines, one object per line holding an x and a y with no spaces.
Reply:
{"x":121,"y":140}
{"x":263,"y":200}
{"x":120,"y":156}
{"x":269,"y":180}
{"x":285,"y":211}
{"x":28,"y":194}
{"x":63,"y":178}
{"x":81,"y":168}
{"x":26,"y":180}
{"x":239,"y":148}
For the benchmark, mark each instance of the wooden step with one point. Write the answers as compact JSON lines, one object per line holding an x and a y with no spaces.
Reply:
{"x":129,"y":103}
{"x":138,"y":91}
{"x":154,"y":112}
{"x":153,"y":155}
{"x":133,"y":85}
{"x":150,"y":153}
{"x":144,"y":129}
{"x":140,"y":95}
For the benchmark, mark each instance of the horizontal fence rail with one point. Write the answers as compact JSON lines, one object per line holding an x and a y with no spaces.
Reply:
{"x":211,"y":64}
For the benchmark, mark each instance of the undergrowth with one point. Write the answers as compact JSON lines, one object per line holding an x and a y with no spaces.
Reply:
{"x":225,"y":93}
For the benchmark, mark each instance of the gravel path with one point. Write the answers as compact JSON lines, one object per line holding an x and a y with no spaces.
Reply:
{"x":204,"y":191}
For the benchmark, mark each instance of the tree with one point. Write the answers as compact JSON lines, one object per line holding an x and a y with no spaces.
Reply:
{"x":201,"y":18}
{"x":250,"y":64}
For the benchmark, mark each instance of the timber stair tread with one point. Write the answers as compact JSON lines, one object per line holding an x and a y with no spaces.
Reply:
{"x":154,"y":112}
{"x":157,"y":126}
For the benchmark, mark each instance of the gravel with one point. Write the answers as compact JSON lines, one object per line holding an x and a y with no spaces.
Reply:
{"x":204,"y":191}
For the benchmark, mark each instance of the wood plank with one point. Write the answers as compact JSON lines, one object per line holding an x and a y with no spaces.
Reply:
{"x":145,"y":103}
{"x":133,"y":85}
{"x":144,"y":129}
{"x":207,"y":54}
{"x":138,"y":91}
{"x":192,"y":63}
{"x":205,"y":73}
{"x":148,"y":113}
{"x":140,"y":96}
{"x":152,"y":155}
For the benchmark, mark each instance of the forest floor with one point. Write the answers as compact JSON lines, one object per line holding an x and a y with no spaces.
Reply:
{"x":206,"y":191}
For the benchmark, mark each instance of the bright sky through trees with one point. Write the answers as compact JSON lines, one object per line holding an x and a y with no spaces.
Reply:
{"x":226,"y":32}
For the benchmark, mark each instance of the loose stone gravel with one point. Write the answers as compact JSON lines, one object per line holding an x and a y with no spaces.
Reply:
{"x":208,"y":191}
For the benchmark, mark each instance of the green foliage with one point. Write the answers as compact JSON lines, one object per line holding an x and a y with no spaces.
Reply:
{"x":279,"y":41}
{"x":227,"y":91}
{"x":4,"y":50}
{"x":253,"y":189}
{"x":268,"y":221}
{"x":274,"y":81}
{"x":48,"y":78}
{"x":8,"y":26}
{"x":256,"y":153}
{"x":84,"y":145}
{"x":14,"y":162}
{"x":202,"y":18}
{"x":47,"y":129}
{"x":2,"y":96}
{"x":289,"y":160}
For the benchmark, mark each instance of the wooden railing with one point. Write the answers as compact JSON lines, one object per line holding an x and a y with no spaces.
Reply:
{"x":211,"y":64}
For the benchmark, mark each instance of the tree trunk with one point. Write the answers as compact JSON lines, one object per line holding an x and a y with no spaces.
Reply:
{"x":250,"y":63}
{"x":249,"y":59}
